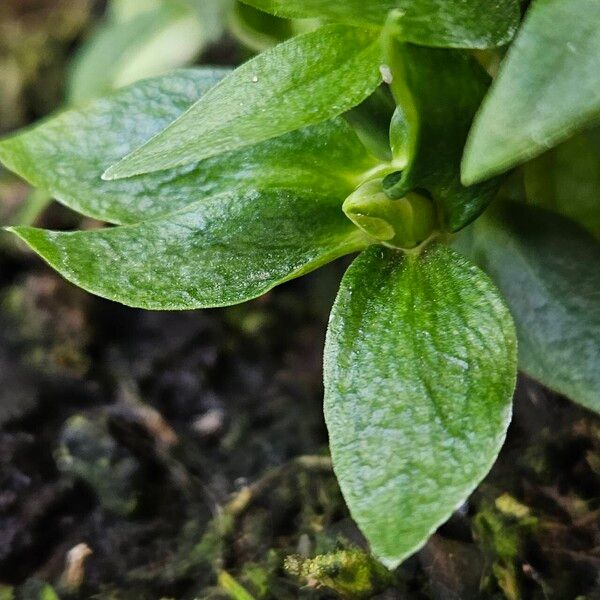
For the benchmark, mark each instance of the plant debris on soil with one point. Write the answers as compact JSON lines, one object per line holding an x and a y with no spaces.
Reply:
{"x":148,"y":455}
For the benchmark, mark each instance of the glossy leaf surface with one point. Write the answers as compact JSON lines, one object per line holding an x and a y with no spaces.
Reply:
{"x":547,"y":89}
{"x":66,"y":154}
{"x":451,"y":23}
{"x":420,"y":366}
{"x":219,"y":251}
{"x":303,"y":81}
{"x":547,"y":269}
{"x":439,"y":92}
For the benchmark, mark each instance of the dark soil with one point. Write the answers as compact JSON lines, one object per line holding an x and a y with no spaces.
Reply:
{"x":154,"y":455}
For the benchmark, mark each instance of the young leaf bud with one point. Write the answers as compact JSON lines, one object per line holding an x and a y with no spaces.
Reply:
{"x":404,"y":223}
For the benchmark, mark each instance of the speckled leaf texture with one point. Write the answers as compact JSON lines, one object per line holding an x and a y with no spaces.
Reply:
{"x":218,"y":251}
{"x":439,"y":92}
{"x":548,"y":269}
{"x":446,"y":23}
{"x":67,"y":154}
{"x":306,"y":80}
{"x":420,"y":367}
{"x":547,"y":88}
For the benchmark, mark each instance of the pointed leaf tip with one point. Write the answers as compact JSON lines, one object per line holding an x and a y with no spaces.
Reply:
{"x":420,"y":368}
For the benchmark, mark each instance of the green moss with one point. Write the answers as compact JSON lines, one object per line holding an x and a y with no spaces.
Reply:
{"x":350,"y":573}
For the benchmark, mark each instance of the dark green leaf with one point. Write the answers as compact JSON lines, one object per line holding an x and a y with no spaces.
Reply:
{"x":371,"y":121}
{"x":548,"y":88}
{"x":547,"y":269}
{"x":452,"y":23}
{"x":420,"y":366}
{"x":67,"y":154}
{"x":305,"y":80}
{"x":439,"y":92}
{"x":567,"y":179}
{"x":219,"y":251}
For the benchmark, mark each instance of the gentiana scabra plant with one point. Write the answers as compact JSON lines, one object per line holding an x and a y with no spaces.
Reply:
{"x":470,"y":220}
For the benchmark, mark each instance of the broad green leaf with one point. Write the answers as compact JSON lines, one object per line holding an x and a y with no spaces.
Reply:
{"x":547,"y":89}
{"x":148,"y":43}
{"x":439,"y":92}
{"x":66,"y":154}
{"x":306,"y":80}
{"x":567,"y":179}
{"x":448,"y":23}
{"x":219,"y":251}
{"x":548,"y":270}
{"x":420,"y":367}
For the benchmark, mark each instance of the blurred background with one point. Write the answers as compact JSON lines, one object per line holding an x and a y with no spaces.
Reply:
{"x":184,"y":455}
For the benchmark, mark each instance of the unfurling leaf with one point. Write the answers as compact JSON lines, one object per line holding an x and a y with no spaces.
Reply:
{"x":438,"y":92}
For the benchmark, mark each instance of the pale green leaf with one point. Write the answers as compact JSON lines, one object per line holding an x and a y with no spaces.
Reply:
{"x":420,"y":367}
{"x":148,"y":43}
{"x":219,"y":251}
{"x":448,"y":23}
{"x":548,"y":270}
{"x":66,"y":154}
{"x":547,"y":89}
{"x":303,"y":81}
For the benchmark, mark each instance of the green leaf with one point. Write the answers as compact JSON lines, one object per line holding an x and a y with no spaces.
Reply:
{"x":547,"y":269}
{"x":148,"y":43}
{"x":547,"y":89}
{"x":260,"y":31}
{"x":219,"y":251}
{"x":567,"y":179}
{"x":66,"y":154}
{"x":305,"y":80}
{"x":451,"y":23}
{"x":371,"y":121}
{"x":439,"y":92}
{"x":420,"y":367}
{"x":119,"y":11}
